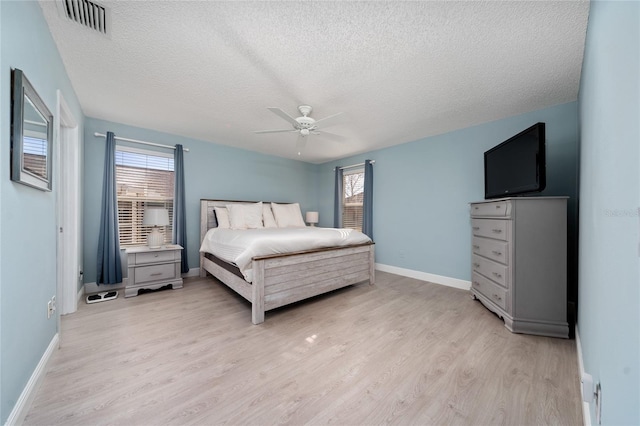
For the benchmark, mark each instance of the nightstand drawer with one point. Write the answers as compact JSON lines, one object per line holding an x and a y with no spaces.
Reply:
{"x":490,"y":269}
{"x":490,"y":290}
{"x":155,"y":256}
{"x":145,"y":274}
{"x":490,"y":228}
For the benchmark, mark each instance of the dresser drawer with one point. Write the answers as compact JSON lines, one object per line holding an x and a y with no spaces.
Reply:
{"x":491,"y":291}
{"x":493,"y":270}
{"x":492,"y":249}
{"x":145,"y":274}
{"x":155,"y":256}
{"x":490,"y":228}
{"x":493,"y":209}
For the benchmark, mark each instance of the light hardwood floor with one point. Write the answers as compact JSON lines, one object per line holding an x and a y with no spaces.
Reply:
{"x":402,"y":352}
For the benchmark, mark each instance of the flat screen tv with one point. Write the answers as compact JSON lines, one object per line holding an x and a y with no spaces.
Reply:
{"x":516,"y":166}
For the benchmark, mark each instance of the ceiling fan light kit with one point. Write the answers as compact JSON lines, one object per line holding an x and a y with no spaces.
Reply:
{"x":303,"y":125}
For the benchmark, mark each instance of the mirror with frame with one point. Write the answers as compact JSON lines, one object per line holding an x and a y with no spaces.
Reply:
{"x":31,"y":135}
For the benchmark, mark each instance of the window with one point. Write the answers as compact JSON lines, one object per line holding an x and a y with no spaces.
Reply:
{"x":143,"y":179}
{"x":352,"y":199}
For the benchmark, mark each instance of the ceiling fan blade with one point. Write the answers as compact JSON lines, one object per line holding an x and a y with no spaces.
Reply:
{"x":300,"y":143}
{"x":274,"y":131}
{"x":328,"y":121}
{"x":282,"y":114}
{"x":330,"y":135}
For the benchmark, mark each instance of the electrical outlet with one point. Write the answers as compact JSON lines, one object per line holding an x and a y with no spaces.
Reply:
{"x":51,"y":307}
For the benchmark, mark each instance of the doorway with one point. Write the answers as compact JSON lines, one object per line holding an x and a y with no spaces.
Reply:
{"x":69,"y":266}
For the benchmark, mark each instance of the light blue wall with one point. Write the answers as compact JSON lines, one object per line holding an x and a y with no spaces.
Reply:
{"x":27,"y":215}
{"x":211,"y":171}
{"x":422,"y":189}
{"x":609,"y":304}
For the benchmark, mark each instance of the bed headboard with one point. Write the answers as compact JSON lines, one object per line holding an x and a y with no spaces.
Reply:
{"x":208,"y":216}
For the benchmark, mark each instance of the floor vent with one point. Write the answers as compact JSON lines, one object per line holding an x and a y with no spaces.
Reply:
{"x":87,"y":13}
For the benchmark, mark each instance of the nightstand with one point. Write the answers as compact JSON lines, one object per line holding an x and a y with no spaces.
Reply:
{"x":151,"y":269}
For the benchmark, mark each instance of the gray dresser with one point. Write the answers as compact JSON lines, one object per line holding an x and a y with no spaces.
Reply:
{"x":519,"y":262}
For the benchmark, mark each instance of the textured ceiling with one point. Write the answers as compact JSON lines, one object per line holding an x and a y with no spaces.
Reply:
{"x":400,"y":71}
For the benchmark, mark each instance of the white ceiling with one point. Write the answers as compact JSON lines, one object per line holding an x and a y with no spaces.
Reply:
{"x":400,"y":71}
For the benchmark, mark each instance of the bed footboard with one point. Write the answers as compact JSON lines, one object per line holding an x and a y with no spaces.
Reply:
{"x":287,"y":279}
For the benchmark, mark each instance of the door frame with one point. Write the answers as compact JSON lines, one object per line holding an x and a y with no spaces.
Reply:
{"x":68,"y":199}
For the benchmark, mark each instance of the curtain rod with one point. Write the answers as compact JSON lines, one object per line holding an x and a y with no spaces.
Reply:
{"x":353,"y":165}
{"x":141,"y":142}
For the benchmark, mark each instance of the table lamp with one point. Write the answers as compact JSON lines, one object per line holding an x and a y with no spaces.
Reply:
{"x":155,"y":217}
{"x":312,"y":218}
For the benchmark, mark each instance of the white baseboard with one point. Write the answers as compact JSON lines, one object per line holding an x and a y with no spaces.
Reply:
{"x":81,"y":294}
{"x":19,"y":412}
{"x":586,"y":409}
{"x":425,"y":276}
{"x":193,"y":272}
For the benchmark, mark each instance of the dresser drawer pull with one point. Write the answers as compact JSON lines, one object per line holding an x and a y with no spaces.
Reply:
{"x":156,"y":274}
{"x":495,"y":274}
{"x":475,"y":246}
{"x":495,"y":296}
{"x":498,"y":206}
{"x":497,"y":231}
{"x":476,"y":228}
{"x":476,"y":283}
{"x":476,"y":265}
{"x":497,"y":253}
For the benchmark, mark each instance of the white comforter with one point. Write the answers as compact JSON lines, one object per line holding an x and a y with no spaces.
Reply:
{"x":240,"y":246}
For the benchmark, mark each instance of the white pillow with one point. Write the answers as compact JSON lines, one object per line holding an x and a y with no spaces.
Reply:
{"x":236,"y":216}
{"x":267,"y":217}
{"x":253,"y":215}
{"x":287,"y":215}
{"x":222,"y":216}
{"x":245,"y":216}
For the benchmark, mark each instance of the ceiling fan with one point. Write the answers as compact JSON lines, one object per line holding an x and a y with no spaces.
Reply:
{"x":304,"y":125}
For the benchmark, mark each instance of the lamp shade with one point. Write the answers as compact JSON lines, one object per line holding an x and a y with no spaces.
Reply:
{"x":154,"y":216}
{"x":312,"y":218}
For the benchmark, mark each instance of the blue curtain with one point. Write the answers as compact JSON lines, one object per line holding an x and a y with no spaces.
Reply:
{"x":109,"y":263}
{"x":179,"y":217}
{"x":367,"y":204}
{"x":337,"y":199}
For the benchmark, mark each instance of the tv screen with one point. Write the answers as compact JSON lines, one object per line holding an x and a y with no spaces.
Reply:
{"x":517,"y":165}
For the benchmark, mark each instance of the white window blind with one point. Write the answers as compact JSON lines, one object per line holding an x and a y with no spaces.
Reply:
{"x":143,"y":179}
{"x":352,"y":199}
{"x":35,"y":155}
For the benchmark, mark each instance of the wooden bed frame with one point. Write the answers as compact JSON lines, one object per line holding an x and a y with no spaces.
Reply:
{"x":282,"y":279}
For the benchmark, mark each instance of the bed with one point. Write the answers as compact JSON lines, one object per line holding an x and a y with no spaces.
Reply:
{"x":281,"y":279}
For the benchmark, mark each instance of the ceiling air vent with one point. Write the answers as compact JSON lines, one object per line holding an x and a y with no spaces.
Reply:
{"x":87,"y":13}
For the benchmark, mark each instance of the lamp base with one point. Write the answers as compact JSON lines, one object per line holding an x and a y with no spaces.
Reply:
{"x":155,"y":239}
